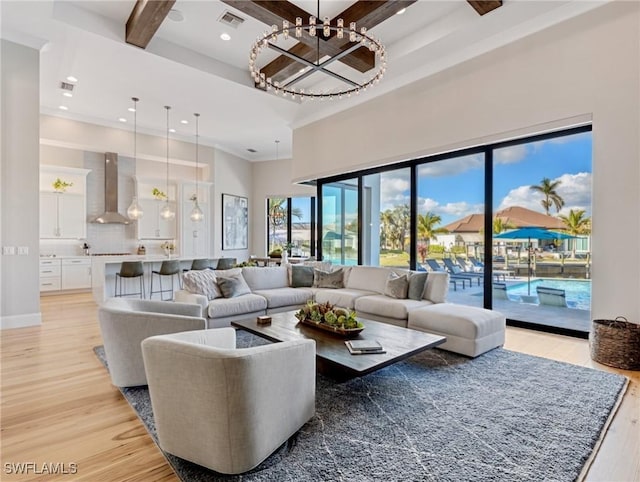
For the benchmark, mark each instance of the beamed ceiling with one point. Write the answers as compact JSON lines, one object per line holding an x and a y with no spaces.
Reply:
{"x":170,"y":52}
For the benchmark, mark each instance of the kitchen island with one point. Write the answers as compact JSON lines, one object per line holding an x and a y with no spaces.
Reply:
{"x":104,"y":269}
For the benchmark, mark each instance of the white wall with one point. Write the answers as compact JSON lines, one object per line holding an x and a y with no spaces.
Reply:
{"x":587,"y":67}
{"x":19,"y":178}
{"x":232,"y":175}
{"x":270,"y":179}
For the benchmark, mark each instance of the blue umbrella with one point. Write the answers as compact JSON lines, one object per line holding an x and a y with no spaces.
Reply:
{"x":530,"y":233}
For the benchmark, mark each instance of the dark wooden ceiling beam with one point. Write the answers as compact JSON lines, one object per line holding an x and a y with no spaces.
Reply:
{"x":145,"y":19}
{"x":485,"y":6}
{"x":272,"y":13}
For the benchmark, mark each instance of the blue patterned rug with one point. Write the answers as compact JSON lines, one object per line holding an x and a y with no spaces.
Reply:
{"x":503,"y":416}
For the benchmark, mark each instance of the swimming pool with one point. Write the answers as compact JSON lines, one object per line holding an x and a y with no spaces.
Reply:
{"x":578,"y":291}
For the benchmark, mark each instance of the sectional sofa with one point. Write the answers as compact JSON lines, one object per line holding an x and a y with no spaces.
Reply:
{"x":400,"y":297}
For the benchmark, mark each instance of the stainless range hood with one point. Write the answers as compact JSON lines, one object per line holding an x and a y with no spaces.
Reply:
{"x":111,"y":214}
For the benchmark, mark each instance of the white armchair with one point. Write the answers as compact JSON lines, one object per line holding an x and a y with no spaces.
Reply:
{"x":124,"y":323}
{"x":224,"y":408}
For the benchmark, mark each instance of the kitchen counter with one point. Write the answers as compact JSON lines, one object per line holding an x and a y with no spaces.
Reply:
{"x":104,"y":269}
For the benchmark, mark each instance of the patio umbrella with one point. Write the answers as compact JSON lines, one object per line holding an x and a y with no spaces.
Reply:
{"x":529,"y":234}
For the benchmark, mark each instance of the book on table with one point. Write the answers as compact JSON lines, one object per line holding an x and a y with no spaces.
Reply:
{"x":363,"y":347}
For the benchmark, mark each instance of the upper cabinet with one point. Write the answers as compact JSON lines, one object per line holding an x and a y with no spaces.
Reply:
{"x":152,"y":196}
{"x":63,"y":202}
{"x":195,"y":235}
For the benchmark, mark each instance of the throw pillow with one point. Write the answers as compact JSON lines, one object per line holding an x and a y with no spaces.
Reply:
{"x":324,"y":279}
{"x":417,"y":282}
{"x":301,"y":276}
{"x":397,"y":286}
{"x":201,"y":282}
{"x":233,"y":286}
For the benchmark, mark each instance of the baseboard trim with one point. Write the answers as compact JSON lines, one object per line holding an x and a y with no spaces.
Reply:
{"x":20,"y":321}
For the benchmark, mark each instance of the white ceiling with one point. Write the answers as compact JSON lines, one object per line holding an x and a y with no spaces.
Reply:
{"x":189,"y":67}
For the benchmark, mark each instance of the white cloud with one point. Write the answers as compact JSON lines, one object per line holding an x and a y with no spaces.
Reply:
{"x":451,"y":167}
{"x":456,"y":210}
{"x":510,"y":155}
{"x":575,"y":189}
{"x":394,"y":191}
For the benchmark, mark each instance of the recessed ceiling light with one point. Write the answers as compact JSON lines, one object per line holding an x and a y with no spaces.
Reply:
{"x":122,"y":119}
{"x":184,"y":121}
{"x":63,"y":107}
{"x":172,"y":130}
{"x":225,"y":36}
{"x":302,"y":70}
{"x":175,"y":15}
{"x":71,"y":78}
{"x":131,"y":109}
{"x":401,"y":11}
{"x":67,"y":94}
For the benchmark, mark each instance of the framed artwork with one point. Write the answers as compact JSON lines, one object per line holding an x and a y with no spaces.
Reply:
{"x":235,"y":222}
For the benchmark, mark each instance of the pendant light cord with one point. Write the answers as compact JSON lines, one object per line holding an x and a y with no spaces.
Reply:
{"x":167,"y":180}
{"x":135,"y":140}
{"x":197,"y":136}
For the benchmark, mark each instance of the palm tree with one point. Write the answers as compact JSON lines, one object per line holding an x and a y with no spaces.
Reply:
{"x":576,"y":223}
{"x":499,"y":225}
{"x":427,"y":229}
{"x":277,"y":212}
{"x":551,"y":198}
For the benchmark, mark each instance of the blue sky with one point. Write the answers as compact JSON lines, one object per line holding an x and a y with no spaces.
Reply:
{"x":455,"y":188}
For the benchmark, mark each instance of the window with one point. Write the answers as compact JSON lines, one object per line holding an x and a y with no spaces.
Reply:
{"x":291,"y":225}
{"x":455,"y":211}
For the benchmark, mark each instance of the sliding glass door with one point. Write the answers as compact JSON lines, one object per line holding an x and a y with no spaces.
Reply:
{"x":340,"y":227}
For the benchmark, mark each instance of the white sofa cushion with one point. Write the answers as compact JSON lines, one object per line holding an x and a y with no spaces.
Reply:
{"x":368,"y":278}
{"x":437,"y":287}
{"x":285,"y":296}
{"x":266,"y":278}
{"x":459,"y":320}
{"x":386,"y":307}
{"x":344,"y":298}
{"x":221,"y":307}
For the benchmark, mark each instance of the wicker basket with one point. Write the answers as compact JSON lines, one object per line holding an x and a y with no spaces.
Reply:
{"x":616,"y":343}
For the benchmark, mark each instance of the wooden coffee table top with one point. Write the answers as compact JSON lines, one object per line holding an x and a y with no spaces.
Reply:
{"x":332,"y":354}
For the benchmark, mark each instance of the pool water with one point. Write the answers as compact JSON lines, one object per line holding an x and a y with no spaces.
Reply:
{"x":578,"y":291}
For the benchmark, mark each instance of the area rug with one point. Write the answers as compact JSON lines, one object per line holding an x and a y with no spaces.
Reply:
{"x":503,"y":416}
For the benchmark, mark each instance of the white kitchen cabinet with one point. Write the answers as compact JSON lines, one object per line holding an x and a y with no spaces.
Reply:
{"x":63,"y":215}
{"x":49,"y":274}
{"x":75,"y":273}
{"x":151,"y":225}
{"x":195,"y":235}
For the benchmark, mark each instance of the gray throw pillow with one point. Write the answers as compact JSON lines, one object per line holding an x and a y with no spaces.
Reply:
{"x":417,"y":282}
{"x":301,"y":276}
{"x":397,"y":286}
{"x":325,"y":279}
{"x":233,"y":286}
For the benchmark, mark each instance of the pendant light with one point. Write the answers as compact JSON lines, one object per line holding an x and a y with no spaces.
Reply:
{"x":135,"y":210}
{"x":166,"y":212}
{"x":196,"y":213}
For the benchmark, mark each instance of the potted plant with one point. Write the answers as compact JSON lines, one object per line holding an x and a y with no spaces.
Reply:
{"x":158,"y":194}
{"x":61,"y":186}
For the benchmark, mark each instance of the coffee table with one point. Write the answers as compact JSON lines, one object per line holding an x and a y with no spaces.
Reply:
{"x":332,"y":356}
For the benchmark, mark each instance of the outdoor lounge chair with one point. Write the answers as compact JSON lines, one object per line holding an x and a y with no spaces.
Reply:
{"x":500,"y":291}
{"x":435,"y":266}
{"x":466,"y":265}
{"x":552,"y":296}
{"x":455,"y":270}
{"x":476,"y":263}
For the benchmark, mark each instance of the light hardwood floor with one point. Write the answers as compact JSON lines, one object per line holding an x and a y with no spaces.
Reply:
{"x":58,"y":405}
